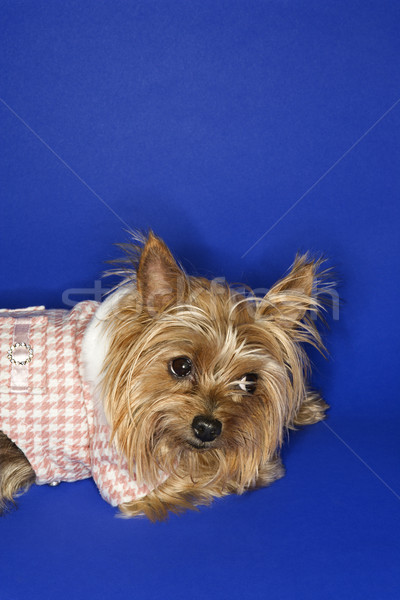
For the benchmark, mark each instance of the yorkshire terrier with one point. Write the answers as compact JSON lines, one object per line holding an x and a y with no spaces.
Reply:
{"x":171,"y":392}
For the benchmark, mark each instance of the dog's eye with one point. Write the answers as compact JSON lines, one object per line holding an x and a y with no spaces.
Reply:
{"x":181,"y":366}
{"x":248,"y":383}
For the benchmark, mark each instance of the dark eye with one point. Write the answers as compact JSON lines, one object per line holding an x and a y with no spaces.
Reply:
{"x":248,"y":383}
{"x":181,"y":366}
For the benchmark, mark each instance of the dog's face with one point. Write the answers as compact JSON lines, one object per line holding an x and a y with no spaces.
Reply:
{"x":201,"y":381}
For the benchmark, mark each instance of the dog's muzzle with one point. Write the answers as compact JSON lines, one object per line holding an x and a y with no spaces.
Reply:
{"x":206,"y":429}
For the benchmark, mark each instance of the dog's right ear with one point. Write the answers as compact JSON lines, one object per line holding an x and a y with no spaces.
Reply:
{"x":160,"y":281}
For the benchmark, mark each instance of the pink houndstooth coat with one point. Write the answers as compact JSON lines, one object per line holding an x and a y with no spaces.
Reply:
{"x":47,"y":408}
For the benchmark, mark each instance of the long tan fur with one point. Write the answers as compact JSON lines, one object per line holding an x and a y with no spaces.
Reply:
{"x":168,"y":314}
{"x":16,"y":474}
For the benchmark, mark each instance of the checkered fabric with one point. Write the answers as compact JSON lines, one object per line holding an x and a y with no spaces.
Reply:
{"x":49,"y":411}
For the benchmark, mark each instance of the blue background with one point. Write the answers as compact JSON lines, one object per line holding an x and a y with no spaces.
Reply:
{"x":208,"y":121}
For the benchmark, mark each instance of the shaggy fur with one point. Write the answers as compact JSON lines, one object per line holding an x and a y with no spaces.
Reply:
{"x":16,"y":474}
{"x":227,"y":336}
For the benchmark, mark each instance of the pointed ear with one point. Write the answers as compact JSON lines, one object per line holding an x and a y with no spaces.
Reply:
{"x":291,"y":297}
{"x":160,"y":282}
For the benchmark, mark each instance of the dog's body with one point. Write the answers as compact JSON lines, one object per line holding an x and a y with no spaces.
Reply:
{"x":191,"y":384}
{"x":50,"y":408}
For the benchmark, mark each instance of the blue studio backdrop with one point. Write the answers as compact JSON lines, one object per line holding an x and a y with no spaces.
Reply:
{"x":241,"y":132}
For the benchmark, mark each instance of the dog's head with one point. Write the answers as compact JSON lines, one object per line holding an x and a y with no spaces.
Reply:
{"x":202,"y":381}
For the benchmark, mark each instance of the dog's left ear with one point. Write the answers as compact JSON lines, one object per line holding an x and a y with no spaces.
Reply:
{"x":160,"y":281}
{"x":290,"y":298}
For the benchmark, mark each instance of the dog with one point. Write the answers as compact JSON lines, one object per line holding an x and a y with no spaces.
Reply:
{"x":173,"y":391}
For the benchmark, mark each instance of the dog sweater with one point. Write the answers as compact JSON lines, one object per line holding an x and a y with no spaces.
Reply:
{"x":47,"y":408}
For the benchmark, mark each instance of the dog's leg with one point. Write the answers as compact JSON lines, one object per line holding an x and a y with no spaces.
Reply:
{"x":16,"y":474}
{"x":176,"y":495}
{"x":269,"y":472}
{"x":312,"y":410}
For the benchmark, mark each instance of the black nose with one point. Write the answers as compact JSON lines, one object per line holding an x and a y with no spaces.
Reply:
{"x":205,"y":428}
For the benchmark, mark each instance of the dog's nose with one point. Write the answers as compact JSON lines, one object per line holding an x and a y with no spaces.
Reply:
{"x":205,"y":428}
